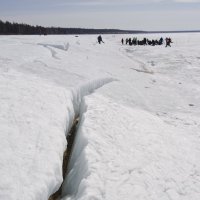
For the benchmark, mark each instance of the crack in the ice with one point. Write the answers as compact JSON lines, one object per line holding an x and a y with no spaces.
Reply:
{"x":66,"y":157}
{"x":78,"y":95}
{"x":143,"y":71}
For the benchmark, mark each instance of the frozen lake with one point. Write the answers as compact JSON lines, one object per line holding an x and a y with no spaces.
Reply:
{"x":138,"y":135}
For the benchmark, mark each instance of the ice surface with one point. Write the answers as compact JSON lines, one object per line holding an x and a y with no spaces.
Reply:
{"x":138,"y":137}
{"x":122,"y":153}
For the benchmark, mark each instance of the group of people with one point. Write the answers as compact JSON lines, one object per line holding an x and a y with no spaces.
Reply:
{"x":146,"y":41}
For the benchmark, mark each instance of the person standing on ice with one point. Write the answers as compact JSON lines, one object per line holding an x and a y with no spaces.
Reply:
{"x":122,"y":41}
{"x":160,"y":41}
{"x":100,"y":39}
{"x":168,"y":42}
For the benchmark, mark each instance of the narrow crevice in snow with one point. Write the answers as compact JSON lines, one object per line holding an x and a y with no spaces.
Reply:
{"x":76,"y":172}
{"x":78,"y":95}
{"x":66,"y":157}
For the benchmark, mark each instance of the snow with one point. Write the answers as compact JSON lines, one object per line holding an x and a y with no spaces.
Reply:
{"x":140,"y":156}
{"x":138,"y":134}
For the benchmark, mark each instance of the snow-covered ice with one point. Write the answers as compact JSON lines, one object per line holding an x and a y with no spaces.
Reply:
{"x":139,"y":106}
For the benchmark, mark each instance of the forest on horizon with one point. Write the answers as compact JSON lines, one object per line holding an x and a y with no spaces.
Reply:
{"x":8,"y":28}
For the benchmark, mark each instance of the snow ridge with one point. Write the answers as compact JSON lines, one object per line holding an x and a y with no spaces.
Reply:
{"x":77,"y":95}
{"x":38,"y":115}
{"x":80,"y":108}
{"x":79,"y":92}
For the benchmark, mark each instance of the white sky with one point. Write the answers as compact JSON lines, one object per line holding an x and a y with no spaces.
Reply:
{"x":126,"y":14}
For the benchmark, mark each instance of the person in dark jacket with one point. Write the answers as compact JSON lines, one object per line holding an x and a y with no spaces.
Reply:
{"x":168,"y":42}
{"x":99,"y":38}
{"x":161,"y":41}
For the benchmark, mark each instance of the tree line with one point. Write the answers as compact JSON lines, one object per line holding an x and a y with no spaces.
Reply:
{"x":8,"y":28}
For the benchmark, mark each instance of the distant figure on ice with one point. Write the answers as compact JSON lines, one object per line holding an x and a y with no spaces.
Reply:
{"x":100,"y":39}
{"x":168,"y":42}
{"x":160,"y":41}
{"x":122,"y":41}
{"x":130,"y":41}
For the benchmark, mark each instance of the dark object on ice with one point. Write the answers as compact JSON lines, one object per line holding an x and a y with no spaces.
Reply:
{"x":161,"y":41}
{"x":130,"y":41}
{"x":191,"y":104}
{"x":168,"y":42}
{"x":99,"y":38}
{"x":122,"y":41}
{"x":146,"y":41}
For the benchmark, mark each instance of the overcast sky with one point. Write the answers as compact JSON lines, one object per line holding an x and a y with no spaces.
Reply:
{"x":121,"y":14}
